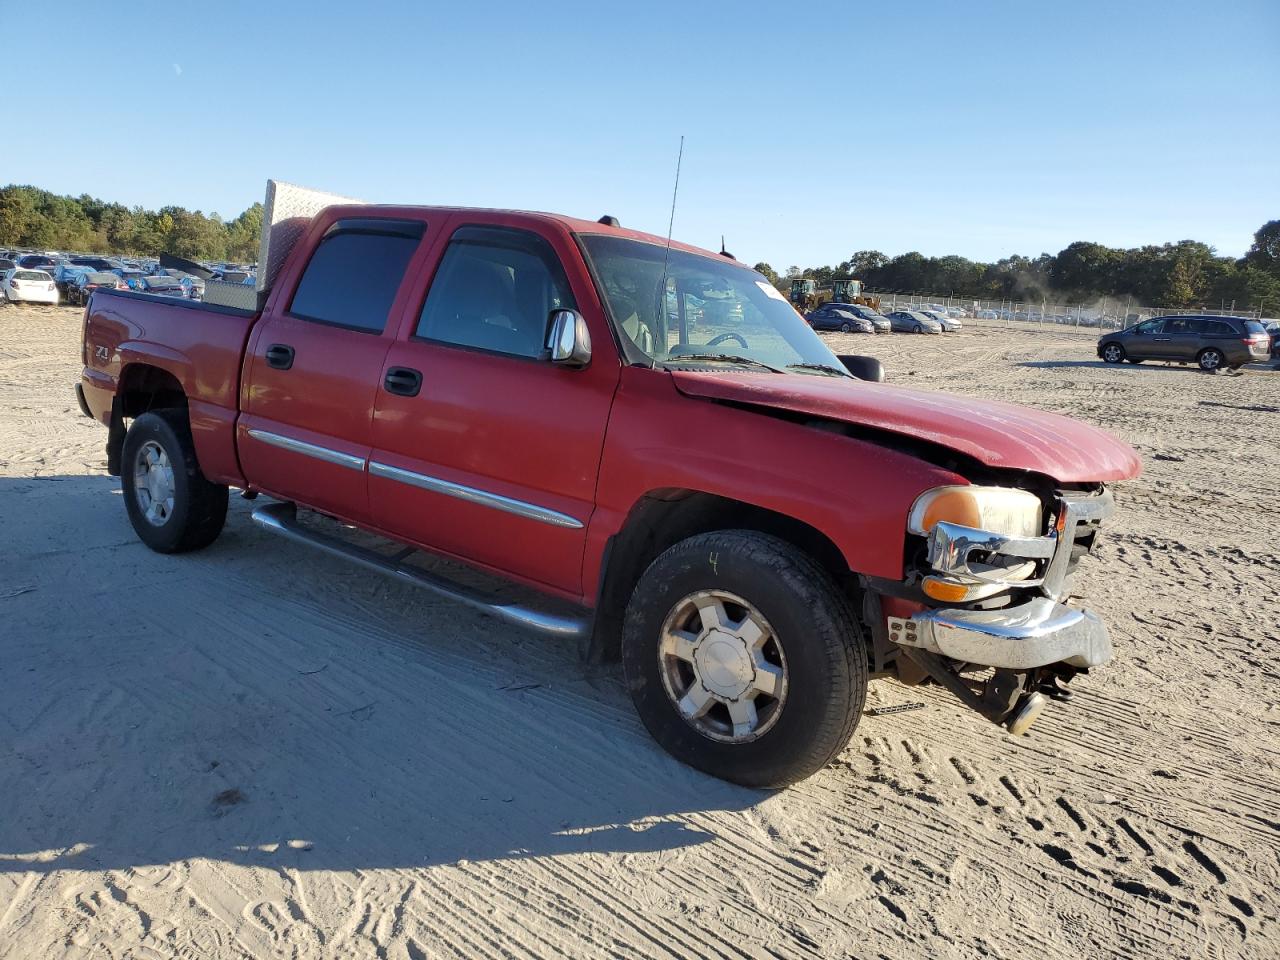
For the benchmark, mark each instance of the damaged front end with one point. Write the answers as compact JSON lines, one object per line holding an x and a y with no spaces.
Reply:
{"x":982,"y":610}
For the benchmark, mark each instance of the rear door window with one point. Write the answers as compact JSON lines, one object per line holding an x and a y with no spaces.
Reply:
{"x":352,"y":278}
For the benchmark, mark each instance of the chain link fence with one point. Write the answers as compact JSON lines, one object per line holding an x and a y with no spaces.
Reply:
{"x":1107,"y":313}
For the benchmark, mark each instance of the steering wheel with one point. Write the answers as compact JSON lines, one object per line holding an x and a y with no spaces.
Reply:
{"x":716,"y":341}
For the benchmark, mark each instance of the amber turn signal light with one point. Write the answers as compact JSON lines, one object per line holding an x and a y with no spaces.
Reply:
{"x":944,"y":591}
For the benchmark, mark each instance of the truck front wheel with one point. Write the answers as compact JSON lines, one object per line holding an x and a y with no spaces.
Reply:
{"x":171,"y":505}
{"x":744,"y":659}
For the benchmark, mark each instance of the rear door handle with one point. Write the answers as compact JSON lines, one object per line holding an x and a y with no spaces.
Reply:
{"x":404,"y":381}
{"x":280,"y":356}
{"x":1163,"y":339}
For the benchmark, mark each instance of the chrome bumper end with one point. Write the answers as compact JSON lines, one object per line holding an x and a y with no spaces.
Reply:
{"x":1034,"y":634}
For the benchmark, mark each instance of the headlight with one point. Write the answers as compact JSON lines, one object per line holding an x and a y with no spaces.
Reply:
{"x":1004,"y":510}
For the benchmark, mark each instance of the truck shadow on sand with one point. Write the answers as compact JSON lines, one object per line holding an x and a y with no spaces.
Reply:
{"x":258,"y":703}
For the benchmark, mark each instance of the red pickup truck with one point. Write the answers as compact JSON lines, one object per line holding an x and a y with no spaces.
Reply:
{"x":645,"y":433}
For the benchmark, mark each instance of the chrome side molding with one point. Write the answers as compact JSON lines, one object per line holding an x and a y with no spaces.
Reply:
{"x":484,"y":498}
{"x":281,"y":519}
{"x":350,"y":461}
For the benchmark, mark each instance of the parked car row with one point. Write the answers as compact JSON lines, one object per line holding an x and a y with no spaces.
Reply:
{"x":74,"y":276}
{"x":855,"y":318}
{"x":847,"y":318}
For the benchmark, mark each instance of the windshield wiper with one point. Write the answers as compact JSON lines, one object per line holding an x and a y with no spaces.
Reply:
{"x":724,"y":357}
{"x":822,"y":367}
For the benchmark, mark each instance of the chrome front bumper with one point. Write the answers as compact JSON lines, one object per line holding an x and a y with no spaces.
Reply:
{"x":1034,"y":634}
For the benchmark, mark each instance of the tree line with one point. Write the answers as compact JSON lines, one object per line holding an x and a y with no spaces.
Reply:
{"x":1182,"y":274}
{"x":35,"y":218}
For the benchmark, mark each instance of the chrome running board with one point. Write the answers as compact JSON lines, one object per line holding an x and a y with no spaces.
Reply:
{"x":282,"y":519}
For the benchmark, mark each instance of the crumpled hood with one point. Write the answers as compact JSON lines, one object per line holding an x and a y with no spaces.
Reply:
{"x":996,"y":434}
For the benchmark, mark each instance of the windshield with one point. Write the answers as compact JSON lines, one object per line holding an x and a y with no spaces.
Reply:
{"x":100,"y":278}
{"x":710,"y":306}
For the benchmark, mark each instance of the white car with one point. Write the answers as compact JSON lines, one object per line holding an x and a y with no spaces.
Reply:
{"x":32,"y":286}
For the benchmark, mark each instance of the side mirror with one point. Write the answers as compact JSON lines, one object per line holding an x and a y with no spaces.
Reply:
{"x":864,"y":368}
{"x":568,"y":339}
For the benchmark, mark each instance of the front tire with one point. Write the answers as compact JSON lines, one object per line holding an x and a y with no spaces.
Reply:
{"x":845,"y":328}
{"x":171,"y":505}
{"x":1113,"y":353}
{"x":1211,"y":360}
{"x":918,"y":328}
{"x":744,"y":659}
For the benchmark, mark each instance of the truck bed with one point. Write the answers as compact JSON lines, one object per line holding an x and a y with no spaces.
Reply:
{"x":141,"y":338}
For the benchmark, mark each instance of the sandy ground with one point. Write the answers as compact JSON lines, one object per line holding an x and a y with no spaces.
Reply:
{"x":255,"y":751}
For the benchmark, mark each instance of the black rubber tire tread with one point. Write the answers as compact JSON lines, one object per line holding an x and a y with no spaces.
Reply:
{"x":820,"y":635}
{"x":199,"y":506}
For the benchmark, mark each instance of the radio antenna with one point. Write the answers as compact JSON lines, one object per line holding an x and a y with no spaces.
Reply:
{"x":661,"y":316}
{"x":662,"y":292}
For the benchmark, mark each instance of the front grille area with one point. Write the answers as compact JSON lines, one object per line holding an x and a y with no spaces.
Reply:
{"x":1080,"y":516}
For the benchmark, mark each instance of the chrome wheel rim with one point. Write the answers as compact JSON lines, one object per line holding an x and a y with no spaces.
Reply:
{"x":1113,"y":353}
{"x":153,"y":483}
{"x":1210,"y":360}
{"x":722,"y":666}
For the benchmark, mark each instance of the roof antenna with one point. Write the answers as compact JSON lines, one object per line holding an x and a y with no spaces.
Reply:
{"x":723,"y":251}
{"x":671,"y":223}
{"x":666,"y":256}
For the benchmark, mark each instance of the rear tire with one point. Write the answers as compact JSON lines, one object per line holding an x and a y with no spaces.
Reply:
{"x":679,"y":659}
{"x":1133,"y":361}
{"x":1211,"y":360}
{"x":171,"y":505}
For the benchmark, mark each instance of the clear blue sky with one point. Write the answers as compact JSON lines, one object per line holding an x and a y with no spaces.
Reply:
{"x":811,"y":130}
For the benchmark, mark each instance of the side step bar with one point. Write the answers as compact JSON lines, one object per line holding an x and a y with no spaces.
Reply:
{"x":282,"y":519}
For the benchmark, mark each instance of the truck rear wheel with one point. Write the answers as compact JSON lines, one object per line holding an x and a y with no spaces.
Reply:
{"x":744,"y":659}
{"x":171,"y":505}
